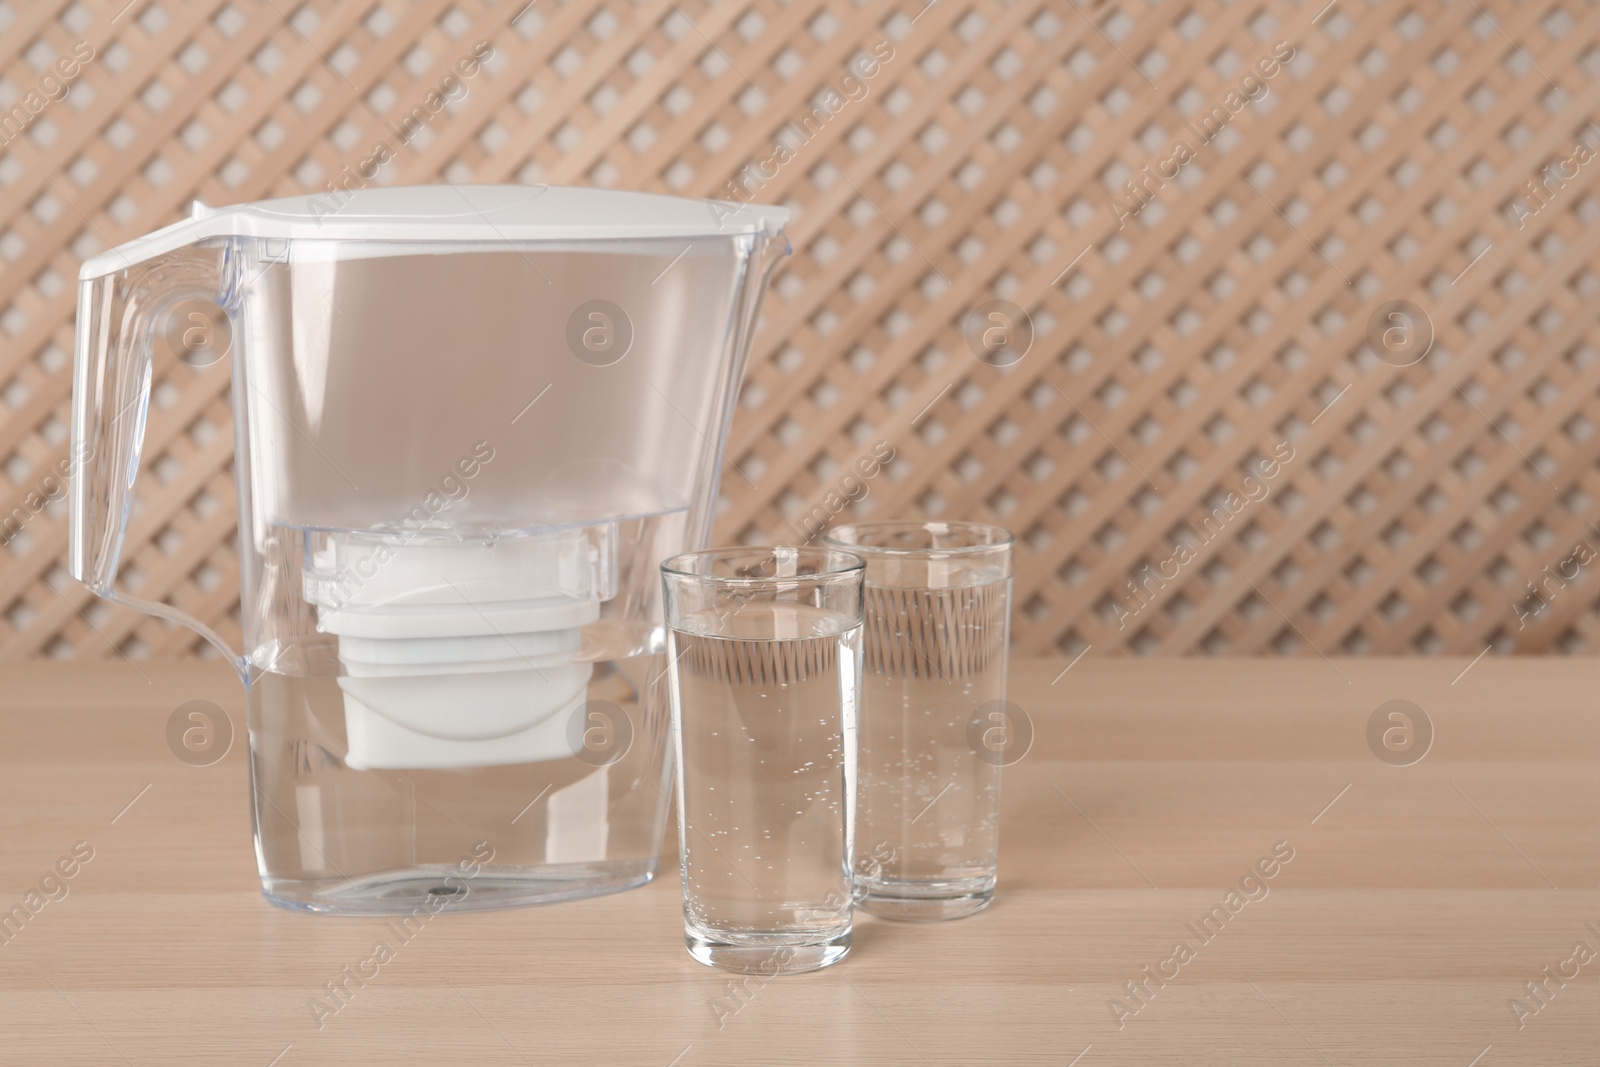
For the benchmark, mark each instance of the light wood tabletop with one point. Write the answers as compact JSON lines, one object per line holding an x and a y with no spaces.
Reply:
{"x":1410,"y":903}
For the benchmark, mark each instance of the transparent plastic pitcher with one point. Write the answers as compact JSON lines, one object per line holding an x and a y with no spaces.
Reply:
{"x":470,"y":422}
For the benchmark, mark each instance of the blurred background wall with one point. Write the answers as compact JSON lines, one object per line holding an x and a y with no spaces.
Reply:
{"x":1269,"y":328}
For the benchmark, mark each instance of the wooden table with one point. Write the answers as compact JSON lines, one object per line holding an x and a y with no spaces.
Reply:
{"x":1418,"y":903}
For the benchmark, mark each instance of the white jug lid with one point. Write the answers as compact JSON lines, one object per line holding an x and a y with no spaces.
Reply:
{"x":452,"y":213}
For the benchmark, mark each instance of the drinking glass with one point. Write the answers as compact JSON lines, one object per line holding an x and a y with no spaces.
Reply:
{"x":764,"y":648}
{"x":935,"y":727}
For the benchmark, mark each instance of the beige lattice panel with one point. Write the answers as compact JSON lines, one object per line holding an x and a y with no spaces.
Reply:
{"x":1174,"y":349}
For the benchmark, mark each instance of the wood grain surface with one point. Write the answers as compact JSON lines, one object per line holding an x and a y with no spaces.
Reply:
{"x":1419,"y":901}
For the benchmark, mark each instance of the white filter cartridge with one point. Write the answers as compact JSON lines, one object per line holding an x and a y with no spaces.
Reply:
{"x":378,"y":739}
{"x":458,"y":654}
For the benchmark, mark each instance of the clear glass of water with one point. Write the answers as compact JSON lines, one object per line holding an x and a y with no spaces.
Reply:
{"x":935,"y":727}
{"x":764,"y":648}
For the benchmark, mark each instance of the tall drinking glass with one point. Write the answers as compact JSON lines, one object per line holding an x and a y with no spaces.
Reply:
{"x":764,"y":648}
{"x":934,"y":722}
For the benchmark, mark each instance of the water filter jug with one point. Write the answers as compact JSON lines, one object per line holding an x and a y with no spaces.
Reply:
{"x":469,"y":423}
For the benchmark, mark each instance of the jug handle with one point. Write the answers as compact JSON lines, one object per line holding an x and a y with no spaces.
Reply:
{"x":112,"y":375}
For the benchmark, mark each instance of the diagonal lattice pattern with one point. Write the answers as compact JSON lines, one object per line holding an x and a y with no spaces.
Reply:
{"x":1213,"y":321}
